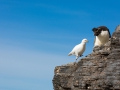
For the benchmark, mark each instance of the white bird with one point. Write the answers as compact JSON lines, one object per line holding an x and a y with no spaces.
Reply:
{"x":79,"y":49}
{"x":102,"y":35}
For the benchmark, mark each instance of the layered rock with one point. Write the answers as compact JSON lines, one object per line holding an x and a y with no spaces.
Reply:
{"x":100,"y":70}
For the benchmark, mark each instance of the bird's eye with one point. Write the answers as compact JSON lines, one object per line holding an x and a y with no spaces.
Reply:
{"x":97,"y":30}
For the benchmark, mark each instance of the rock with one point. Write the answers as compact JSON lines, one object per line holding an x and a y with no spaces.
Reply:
{"x":118,"y":28}
{"x":99,"y":70}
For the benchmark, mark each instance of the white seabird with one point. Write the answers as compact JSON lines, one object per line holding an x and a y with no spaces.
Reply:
{"x":79,"y":49}
{"x":102,"y":35}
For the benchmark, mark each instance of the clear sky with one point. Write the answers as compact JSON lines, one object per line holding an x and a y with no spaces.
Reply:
{"x":37,"y":35}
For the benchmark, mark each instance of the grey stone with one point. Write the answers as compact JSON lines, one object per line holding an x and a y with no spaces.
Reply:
{"x":118,"y":28}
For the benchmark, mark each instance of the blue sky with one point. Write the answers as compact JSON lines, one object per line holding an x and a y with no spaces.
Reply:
{"x":36,"y":36}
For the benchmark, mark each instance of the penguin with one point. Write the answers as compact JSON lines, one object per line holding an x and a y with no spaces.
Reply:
{"x":102,"y":35}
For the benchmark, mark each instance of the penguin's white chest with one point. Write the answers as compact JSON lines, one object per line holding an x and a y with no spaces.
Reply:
{"x":102,"y":38}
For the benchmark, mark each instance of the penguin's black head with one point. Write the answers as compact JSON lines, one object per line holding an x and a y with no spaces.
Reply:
{"x":96,"y":31}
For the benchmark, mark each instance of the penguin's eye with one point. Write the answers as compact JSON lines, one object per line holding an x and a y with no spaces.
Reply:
{"x":97,"y":30}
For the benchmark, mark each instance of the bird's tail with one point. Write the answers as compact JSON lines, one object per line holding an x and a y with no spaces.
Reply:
{"x":70,"y":54}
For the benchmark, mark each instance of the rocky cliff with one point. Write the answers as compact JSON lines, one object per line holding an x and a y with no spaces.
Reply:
{"x":100,"y":70}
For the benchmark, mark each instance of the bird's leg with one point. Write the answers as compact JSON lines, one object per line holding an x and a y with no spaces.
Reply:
{"x":77,"y":58}
{"x":81,"y":55}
